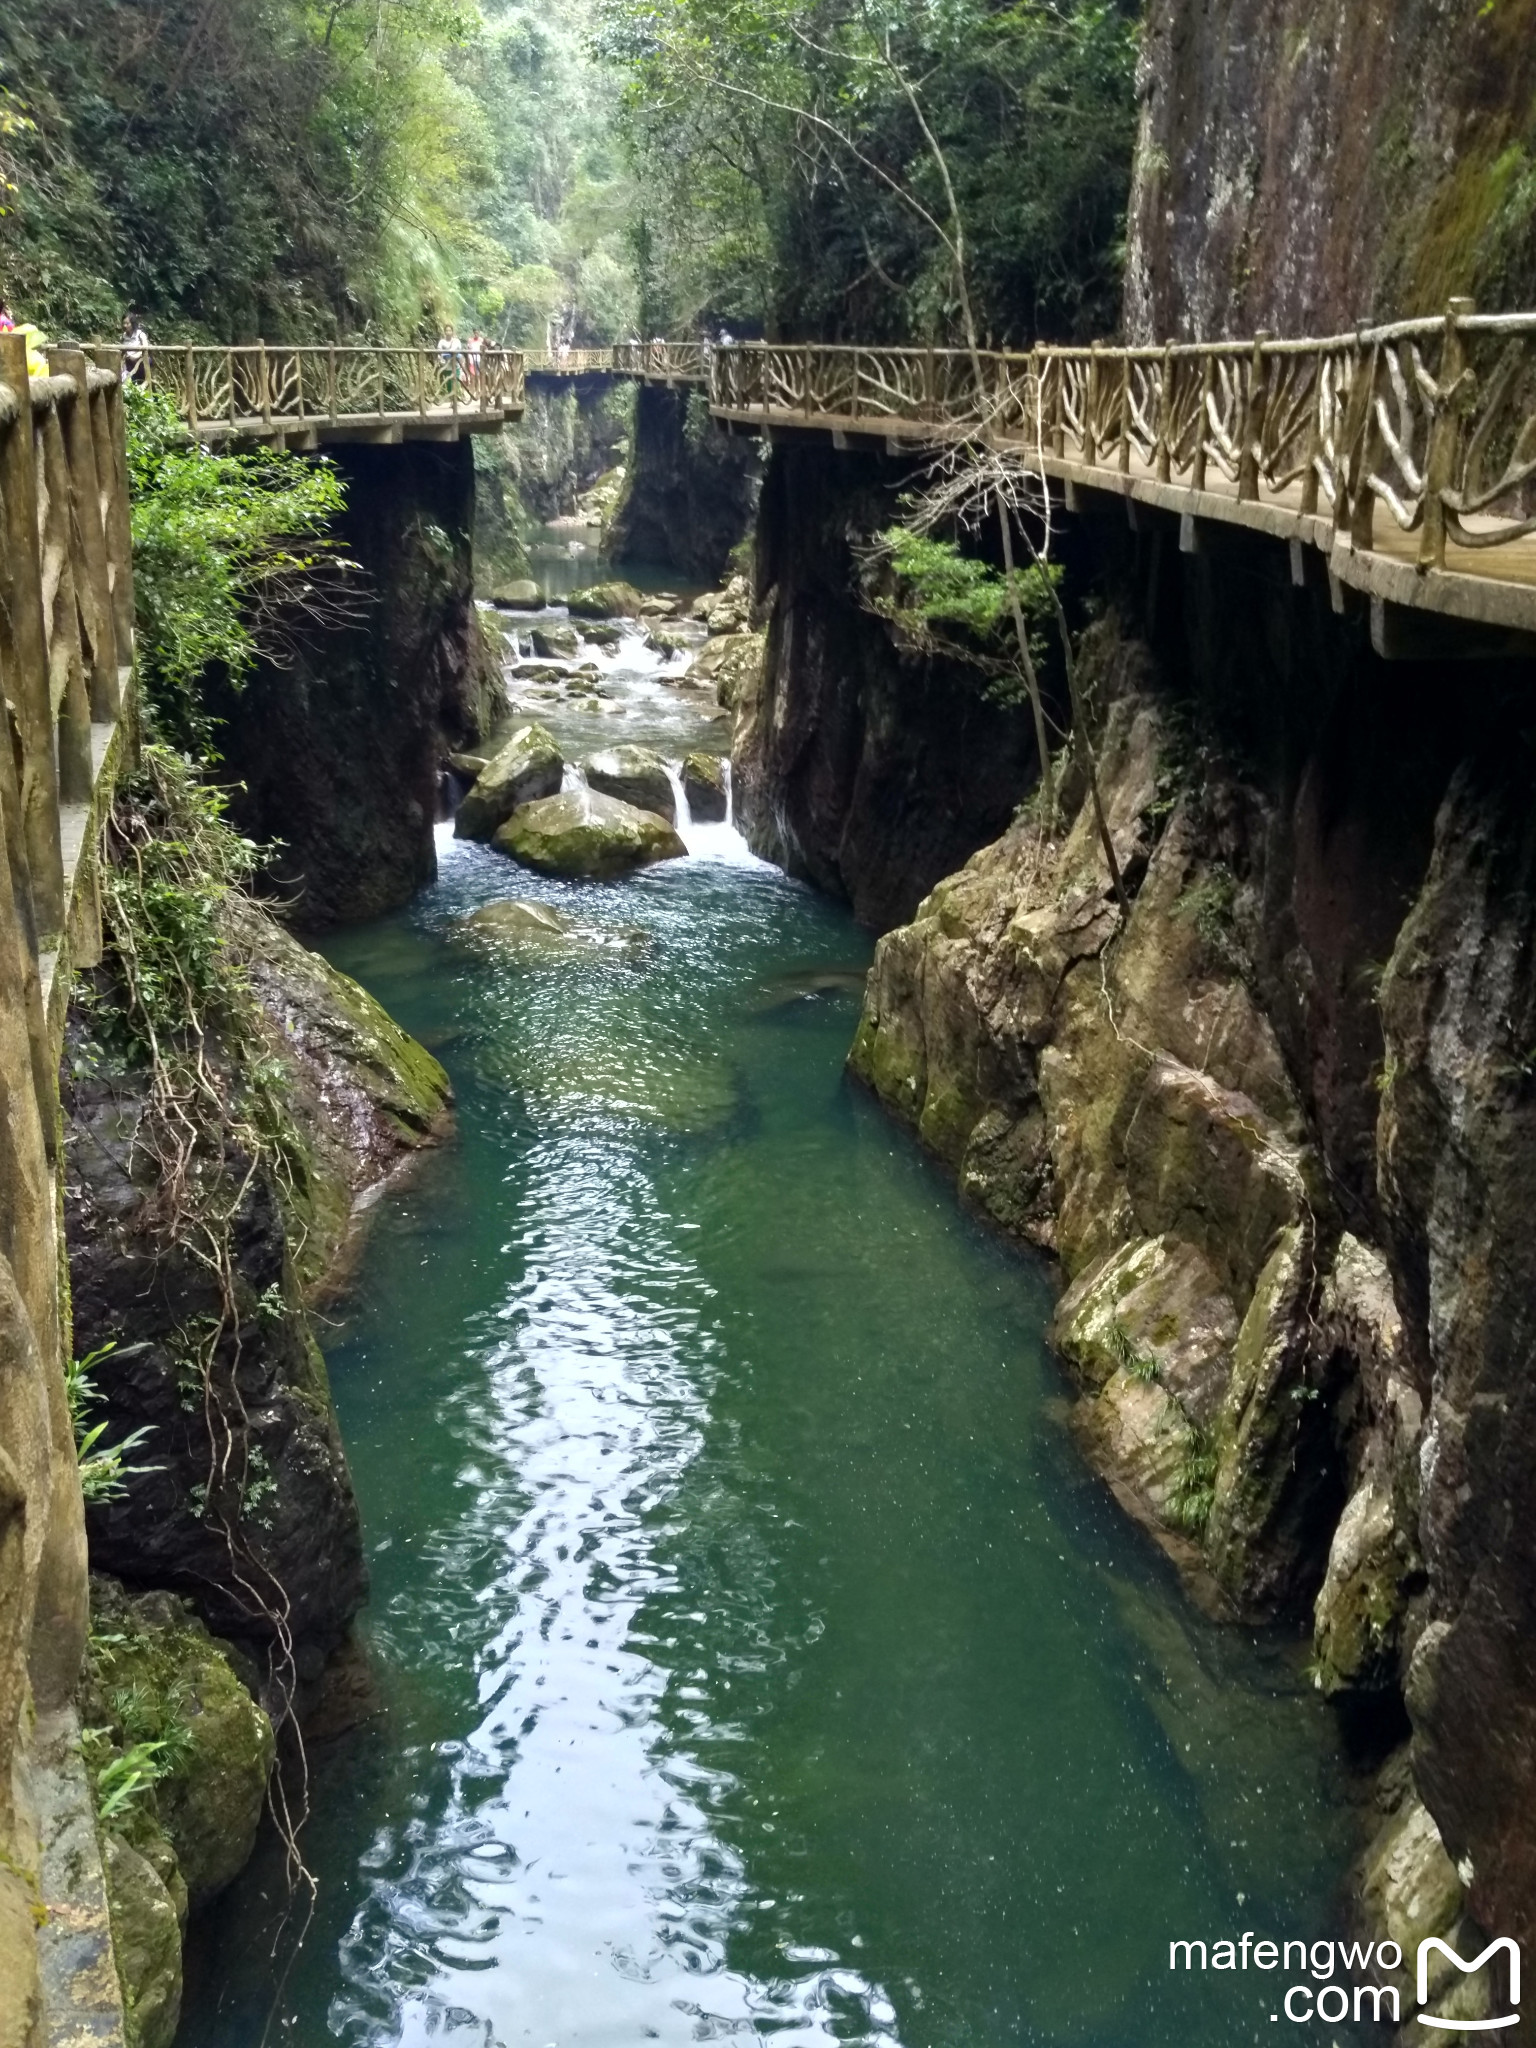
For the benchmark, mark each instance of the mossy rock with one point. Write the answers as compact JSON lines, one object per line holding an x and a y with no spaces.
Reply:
{"x":520,"y":595}
{"x":146,"y":1945}
{"x":635,"y":775}
{"x":554,"y":643}
{"x":156,"y":1675}
{"x":704,"y":786}
{"x":530,"y":765}
{"x":598,"y":633}
{"x":605,"y":601}
{"x":582,"y":833}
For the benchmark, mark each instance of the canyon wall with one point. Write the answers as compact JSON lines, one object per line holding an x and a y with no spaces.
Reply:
{"x":1273,"y":1117}
{"x":690,"y":491}
{"x":868,"y":770}
{"x":1306,"y":164}
{"x":335,"y":750}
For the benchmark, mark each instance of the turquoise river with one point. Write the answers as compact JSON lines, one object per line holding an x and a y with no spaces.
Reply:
{"x":756,"y":1657}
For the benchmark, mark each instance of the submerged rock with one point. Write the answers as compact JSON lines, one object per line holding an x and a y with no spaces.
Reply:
{"x":520,"y":595}
{"x":583,"y":833}
{"x":635,"y":775}
{"x":530,"y":765}
{"x":605,"y":601}
{"x":532,"y":933}
{"x":704,"y":787}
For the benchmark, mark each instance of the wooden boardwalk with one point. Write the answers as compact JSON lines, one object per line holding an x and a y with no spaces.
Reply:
{"x":1401,"y":460}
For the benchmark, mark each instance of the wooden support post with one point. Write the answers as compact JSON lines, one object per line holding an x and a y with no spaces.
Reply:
{"x":1162,"y":462}
{"x":1125,"y":415}
{"x":1364,"y":454}
{"x":189,"y":388}
{"x":1251,"y":426}
{"x":63,"y":578}
{"x":1090,"y":400}
{"x":265,"y":385}
{"x":93,"y":584}
{"x":330,"y":382}
{"x":1443,"y":456}
{"x":24,"y":645}
{"x":111,"y":429}
{"x":1202,"y":422}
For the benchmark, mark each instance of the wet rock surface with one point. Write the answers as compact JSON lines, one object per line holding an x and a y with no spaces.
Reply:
{"x":529,"y":765}
{"x":636,"y":775}
{"x":582,"y":833}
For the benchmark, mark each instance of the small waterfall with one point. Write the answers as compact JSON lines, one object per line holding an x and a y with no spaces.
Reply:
{"x":680,"y":800}
{"x":730,"y":794}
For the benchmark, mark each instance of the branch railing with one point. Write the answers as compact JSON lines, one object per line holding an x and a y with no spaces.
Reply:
{"x":672,"y":362}
{"x":1430,"y":423}
{"x":261,"y":388}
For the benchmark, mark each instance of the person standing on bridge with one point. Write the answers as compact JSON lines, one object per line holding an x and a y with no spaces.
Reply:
{"x":135,"y":349}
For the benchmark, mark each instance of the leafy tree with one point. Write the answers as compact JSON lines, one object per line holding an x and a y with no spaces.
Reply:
{"x":787,"y":175}
{"x":228,"y":549}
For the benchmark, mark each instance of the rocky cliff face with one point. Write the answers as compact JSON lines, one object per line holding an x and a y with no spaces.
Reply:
{"x":1304,"y":164}
{"x":868,"y":771}
{"x":198,"y":1269}
{"x":691,"y":491}
{"x":337,"y":753}
{"x":1274,"y":1123}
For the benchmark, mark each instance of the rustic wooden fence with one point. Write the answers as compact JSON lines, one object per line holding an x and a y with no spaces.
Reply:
{"x":66,"y":649}
{"x":655,"y":362}
{"x":1428,"y":426}
{"x":265,"y":391}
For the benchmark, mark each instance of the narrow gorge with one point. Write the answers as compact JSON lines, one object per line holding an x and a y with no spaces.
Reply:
{"x":766,"y":1024}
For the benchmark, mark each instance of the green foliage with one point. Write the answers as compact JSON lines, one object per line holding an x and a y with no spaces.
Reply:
{"x":1122,"y":1348}
{"x":124,"y":1780}
{"x":942,"y":600}
{"x":177,"y":859}
{"x":104,"y":1474}
{"x":1193,"y":1494}
{"x":216,"y":538}
{"x":782,"y":165}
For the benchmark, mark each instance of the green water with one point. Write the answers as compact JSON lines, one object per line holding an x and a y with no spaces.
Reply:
{"x":757,"y":1658}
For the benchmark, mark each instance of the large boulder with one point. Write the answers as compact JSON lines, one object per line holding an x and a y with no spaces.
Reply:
{"x":530,"y":765}
{"x":584,"y":833}
{"x":734,"y":664}
{"x":704,"y":787}
{"x":605,"y":601}
{"x":520,"y":595}
{"x":555,"y":643}
{"x":156,"y":1675}
{"x":635,"y":776}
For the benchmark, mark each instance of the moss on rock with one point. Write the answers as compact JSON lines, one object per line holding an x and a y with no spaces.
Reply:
{"x":157,"y":1676}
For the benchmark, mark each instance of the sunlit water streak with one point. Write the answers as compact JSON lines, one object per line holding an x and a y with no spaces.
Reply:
{"x":757,"y":1659}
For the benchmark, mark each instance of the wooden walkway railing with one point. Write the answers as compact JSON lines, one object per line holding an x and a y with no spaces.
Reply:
{"x":1406,"y":453}
{"x":654,"y":362}
{"x":306,"y":397}
{"x":66,"y":650}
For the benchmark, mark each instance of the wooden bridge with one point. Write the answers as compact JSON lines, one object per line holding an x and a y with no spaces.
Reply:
{"x":314,"y":397}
